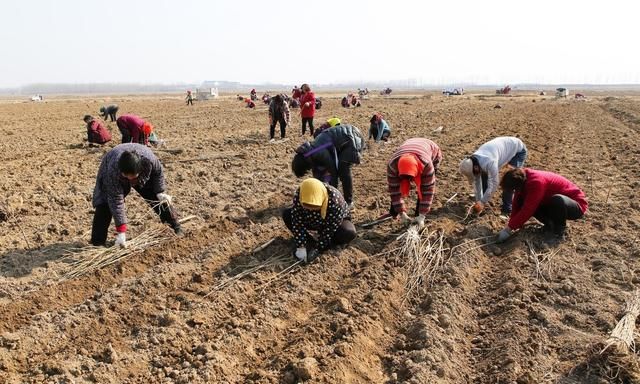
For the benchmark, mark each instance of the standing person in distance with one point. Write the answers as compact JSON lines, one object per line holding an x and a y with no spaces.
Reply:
{"x":189,"y":98}
{"x":307,"y":108}
{"x":278,"y":113}
{"x":109,"y":110}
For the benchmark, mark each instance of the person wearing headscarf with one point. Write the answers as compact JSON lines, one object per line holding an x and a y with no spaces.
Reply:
{"x":482,"y":169}
{"x":110,"y":110}
{"x":414,"y":162}
{"x":97,"y":133}
{"x":134,"y":129}
{"x":330,"y":156}
{"x":379,"y":129}
{"x":189,"y":98}
{"x":318,"y":207}
{"x":547,"y":196}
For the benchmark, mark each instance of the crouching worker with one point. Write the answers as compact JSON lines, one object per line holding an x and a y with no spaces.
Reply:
{"x":379,"y":129}
{"x":330,"y":157}
{"x":318,"y":207}
{"x":330,"y":123}
{"x":547,"y":196}
{"x":134,"y":129}
{"x":96,"y":131}
{"x":124,"y":167}
{"x":416,"y":160}
{"x":482,"y":169}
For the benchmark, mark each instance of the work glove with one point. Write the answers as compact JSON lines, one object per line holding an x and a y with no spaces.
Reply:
{"x":164,"y":198}
{"x":419,"y":221}
{"x":307,"y":104}
{"x":504,"y":235}
{"x":478,"y":207}
{"x":301,"y":254}
{"x":121,"y":240}
{"x":405,"y":218}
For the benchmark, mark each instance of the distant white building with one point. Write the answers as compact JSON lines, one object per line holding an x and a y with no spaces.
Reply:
{"x":206,"y":93}
{"x":562,"y":92}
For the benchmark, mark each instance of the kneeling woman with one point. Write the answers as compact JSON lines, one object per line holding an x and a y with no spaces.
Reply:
{"x":318,"y":207}
{"x":547,"y":196}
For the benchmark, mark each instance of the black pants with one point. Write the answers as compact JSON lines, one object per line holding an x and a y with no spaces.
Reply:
{"x":283,"y":126}
{"x":344,"y":175}
{"x":306,"y":120}
{"x":102,"y":217}
{"x":189,"y":101}
{"x":112,"y":116}
{"x":555,"y":214}
{"x":343,"y":235}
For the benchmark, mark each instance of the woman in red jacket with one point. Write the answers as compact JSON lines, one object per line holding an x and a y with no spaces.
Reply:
{"x":307,"y":108}
{"x":96,"y":131}
{"x":547,"y":196}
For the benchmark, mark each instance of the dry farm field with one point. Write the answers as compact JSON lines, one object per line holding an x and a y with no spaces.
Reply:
{"x":206,"y":308}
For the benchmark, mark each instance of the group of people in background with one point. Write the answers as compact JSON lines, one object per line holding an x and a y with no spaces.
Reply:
{"x":320,"y":216}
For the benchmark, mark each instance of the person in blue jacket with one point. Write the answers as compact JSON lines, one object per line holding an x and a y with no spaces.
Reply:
{"x":379,"y":129}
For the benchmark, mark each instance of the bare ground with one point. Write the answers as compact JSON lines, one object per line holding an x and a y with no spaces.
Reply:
{"x":493,"y":315}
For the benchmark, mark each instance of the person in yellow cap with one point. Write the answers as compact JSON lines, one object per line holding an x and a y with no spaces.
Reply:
{"x":330,"y":157}
{"x":318,"y":207}
{"x":330,"y":123}
{"x":416,"y":160}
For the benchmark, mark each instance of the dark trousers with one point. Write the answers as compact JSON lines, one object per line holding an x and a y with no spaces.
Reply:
{"x":306,"y":120}
{"x":102,"y":217}
{"x":507,"y":196}
{"x":112,"y":116}
{"x":344,"y":175}
{"x":189,"y":101}
{"x":283,"y":127}
{"x":126,"y":136}
{"x":343,"y":235}
{"x":554,"y":215}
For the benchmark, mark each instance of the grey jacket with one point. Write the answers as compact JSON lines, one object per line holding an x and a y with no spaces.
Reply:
{"x":111,"y":187}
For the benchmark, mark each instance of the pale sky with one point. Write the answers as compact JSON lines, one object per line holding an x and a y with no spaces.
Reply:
{"x":321,"y":41}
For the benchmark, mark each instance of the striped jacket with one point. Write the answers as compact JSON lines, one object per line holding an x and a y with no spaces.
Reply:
{"x":430,"y":155}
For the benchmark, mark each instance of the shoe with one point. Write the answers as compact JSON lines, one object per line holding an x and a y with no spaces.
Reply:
{"x":272,"y":140}
{"x":178,"y":231}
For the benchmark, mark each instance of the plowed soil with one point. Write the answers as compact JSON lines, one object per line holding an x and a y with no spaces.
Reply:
{"x":199,"y":309}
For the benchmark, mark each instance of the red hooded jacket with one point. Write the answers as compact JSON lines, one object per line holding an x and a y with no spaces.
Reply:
{"x":538,"y":189}
{"x":309,"y":111}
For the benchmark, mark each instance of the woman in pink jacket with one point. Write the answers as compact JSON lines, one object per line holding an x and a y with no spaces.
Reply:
{"x":307,"y":108}
{"x":547,"y":196}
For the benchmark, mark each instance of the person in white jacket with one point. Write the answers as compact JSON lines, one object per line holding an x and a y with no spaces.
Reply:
{"x":482,"y":169}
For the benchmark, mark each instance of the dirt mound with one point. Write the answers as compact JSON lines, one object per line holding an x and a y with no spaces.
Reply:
{"x":216,"y":306}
